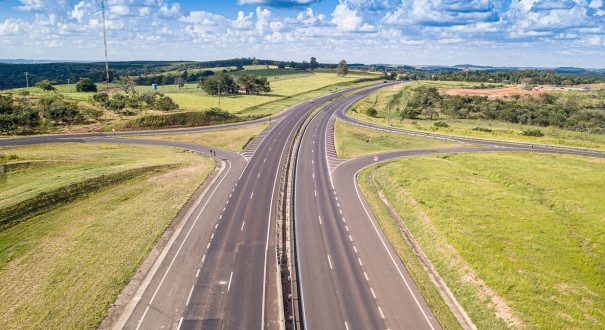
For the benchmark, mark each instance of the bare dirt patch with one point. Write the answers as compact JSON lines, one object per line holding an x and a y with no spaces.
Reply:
{"x":500,"y":93}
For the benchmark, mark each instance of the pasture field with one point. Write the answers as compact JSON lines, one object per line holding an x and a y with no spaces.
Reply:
{"x":468,"y":127}
{"x":518,"y":237}
{"x":352,"y":141}
{"x":64,"y":268}
{"x":234,"y":139}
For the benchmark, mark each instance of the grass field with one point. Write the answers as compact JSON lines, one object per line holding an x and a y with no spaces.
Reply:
{"x":65,"y":268}
{"x":287,"y":88}
{"x":352,"y":141}
{"x":519,"y":238}
{"x":234,"y":139}
{"x":464,"y":127}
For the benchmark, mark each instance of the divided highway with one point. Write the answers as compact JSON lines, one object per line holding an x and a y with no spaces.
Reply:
{"x":220,"y":270}
{"x":349,"y":277}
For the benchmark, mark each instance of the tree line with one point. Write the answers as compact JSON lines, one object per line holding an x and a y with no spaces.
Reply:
{"x":527,"y":76}
{"x":549,"y":109}
{"x":25,"y":113}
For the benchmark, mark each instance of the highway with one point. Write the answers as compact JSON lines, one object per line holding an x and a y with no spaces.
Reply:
{"x":219,"y":270}
{"x":349,"y":277}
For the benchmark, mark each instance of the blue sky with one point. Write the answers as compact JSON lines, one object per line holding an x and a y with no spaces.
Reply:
{"x":484,"y":32}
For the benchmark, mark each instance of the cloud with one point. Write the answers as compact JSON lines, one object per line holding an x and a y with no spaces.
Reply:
{"x":442,"y":13}
{"x":32,"y":5}
{"x":243,"y":21}
{"x":11,"y":27}
{"x":172,"y":12}
{"x":348,"y":20}
{"x":278,"y":3}
{"x":204,"y":18}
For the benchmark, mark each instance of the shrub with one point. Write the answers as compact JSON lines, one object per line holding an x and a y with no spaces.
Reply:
{"x":532,"y":132}
{"x":165,"y":103}
{"x":86,"y":85}
{"x":181,"y":119}
{"x":481,"y":129}
{"x":371,"y":112}
{"x":441,"y":123}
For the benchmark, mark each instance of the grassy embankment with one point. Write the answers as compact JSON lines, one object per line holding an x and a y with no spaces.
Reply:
{"x":518,"y":238}
{"x":288,"y":87}
{"x":234,"y":139}
{"x":352,"y":141}
{"x":464,"y":127}
{"x":65,"y":267}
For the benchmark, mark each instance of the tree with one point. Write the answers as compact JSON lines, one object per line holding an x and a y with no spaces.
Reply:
{"x":86,"y":85}
{"x":46,"y":85}
{"x":210,"y":84}
{"x":61,"y":111}
{"x":313,"y":64}
{"x":343,"y":69}
{"x":255,"y":62}
{"x":252,"y":83}
{"x":179,"y":81}
{"x":165,"y":103}
{"x":126,"y":84}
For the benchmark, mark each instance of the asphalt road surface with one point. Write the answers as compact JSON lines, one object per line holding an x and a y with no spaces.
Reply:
{"x":220,"y":271}
{"x":349,"y":275}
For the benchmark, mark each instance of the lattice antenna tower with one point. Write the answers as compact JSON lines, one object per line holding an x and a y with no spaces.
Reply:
{"x":105,"y":43}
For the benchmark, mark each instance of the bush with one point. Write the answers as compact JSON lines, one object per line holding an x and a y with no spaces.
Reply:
{"x":481,"y":129}
{"x":532,"y":132}
{"x":181,"y":119}
{"x":86,"y":85}
{"x":441,"y":123}
{"x":371,"y":112}
{"x":165,"y":103}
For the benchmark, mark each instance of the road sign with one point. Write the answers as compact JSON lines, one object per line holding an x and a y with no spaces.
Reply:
{"x":375,"y":159}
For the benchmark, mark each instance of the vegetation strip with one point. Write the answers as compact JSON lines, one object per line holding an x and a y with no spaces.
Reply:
{"x":432,"y":273}
{"x":516,"y":236}
{"x":424,"y":109}
{"x":47,"y":201}
{"x":430,"y":293}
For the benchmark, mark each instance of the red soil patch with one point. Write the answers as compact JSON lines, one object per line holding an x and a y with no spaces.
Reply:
{"x":503,"y":93}
{"x":499,"y":93}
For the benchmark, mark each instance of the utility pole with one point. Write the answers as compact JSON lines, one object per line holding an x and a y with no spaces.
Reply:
{"x":219,"y":94}
{"x":27,"y":80}
{"x":389,"y":114}
{"x":105,"y":43}
{"x":68,"y":89}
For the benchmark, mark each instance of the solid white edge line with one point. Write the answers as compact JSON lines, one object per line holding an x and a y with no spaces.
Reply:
{"x":190,"y":293}
{"x":277,"y":174}
{"x":230,"y":278}
{"x":160,"y":259}
{"x":389,"y":252}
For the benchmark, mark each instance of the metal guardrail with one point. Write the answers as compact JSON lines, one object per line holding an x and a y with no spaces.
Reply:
{"x":456,"y":138}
